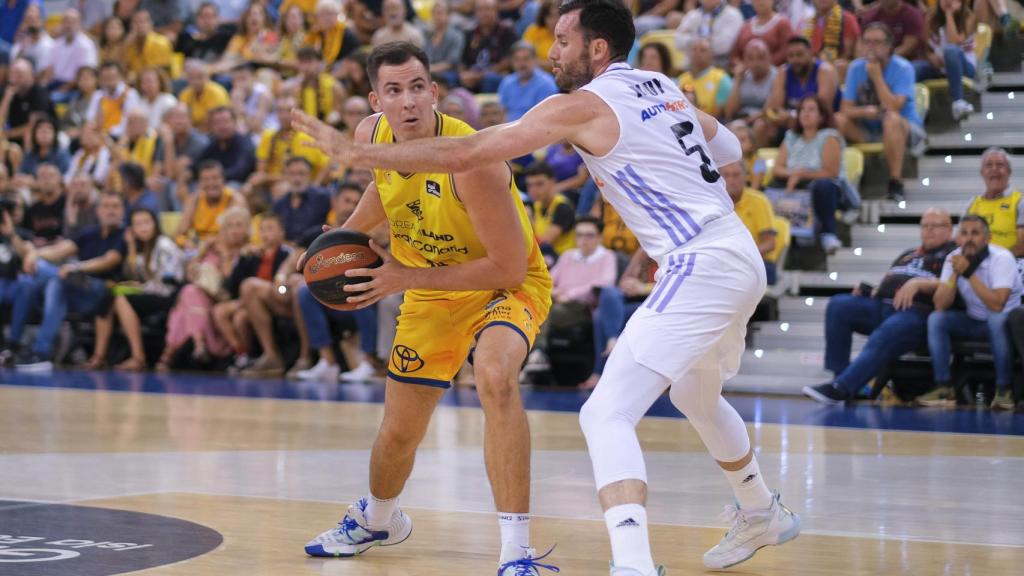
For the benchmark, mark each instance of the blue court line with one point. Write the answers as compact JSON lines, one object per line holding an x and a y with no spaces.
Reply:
{"x":753,"y":409}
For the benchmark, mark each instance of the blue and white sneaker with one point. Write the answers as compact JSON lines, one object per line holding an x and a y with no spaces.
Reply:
{"x":659,"y":571}
{"x":527,"y":565}
{"x":752,"y":530}
{"x":352,"y":537}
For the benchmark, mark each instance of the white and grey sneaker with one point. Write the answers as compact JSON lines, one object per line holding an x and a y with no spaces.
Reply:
{"x":361,"y":373}
{"x":659,"y":571}
{"x":352,"y":537}
{"x":322,"y":371}
{"x":752,"y":530}
{"x":962,"y":109}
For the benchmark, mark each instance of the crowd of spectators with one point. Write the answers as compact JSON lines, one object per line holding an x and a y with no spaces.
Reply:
{"x":178,"y":112}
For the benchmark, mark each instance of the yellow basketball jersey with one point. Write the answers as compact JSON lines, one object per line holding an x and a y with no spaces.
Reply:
{"x":431,"y":227}
{"x":1001,"y":215}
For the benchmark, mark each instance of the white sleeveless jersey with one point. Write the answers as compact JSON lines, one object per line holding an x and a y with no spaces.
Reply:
{"x":659,"y":176}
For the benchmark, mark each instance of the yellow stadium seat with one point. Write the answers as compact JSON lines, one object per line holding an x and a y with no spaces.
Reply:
{"x":982,"y":42}
{"x":423,"y":9}
{"x":922,"y":99}
{"x":61,"y":109}
{"x":853,"y":159}
{"x":782,"y":239}
{"x":169,"y":222}
{"x":668,"y":39}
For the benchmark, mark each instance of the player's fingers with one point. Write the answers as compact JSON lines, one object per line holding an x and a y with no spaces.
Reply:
{"x":361,"y":287}
{"x":382,"y":252}
{"x":366,"y":295}
{"x":357,"y":272}
{"x":369,"y":301}
{"x":301,"y":262}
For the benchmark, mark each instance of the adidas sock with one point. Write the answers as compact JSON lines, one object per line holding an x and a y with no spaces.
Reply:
{"x":379,"y":512}
{"x":515,"y":535}
{"x":749,"y":487}
{"x":631,"y":545}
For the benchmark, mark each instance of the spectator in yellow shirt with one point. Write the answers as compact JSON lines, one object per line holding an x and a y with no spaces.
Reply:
{"x":541,"y":34}
{"x":329,"y":34}
{"x":755,"y":210}
{"x":202,"y":94}
{"x":277,"y":145}
{"x":708,"y":86}
{"x":145,"y":48}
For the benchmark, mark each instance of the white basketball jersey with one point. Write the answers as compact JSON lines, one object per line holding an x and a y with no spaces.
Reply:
{"x":659,"y":176}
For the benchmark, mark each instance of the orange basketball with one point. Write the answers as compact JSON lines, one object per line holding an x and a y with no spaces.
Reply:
{"x":327,"y":260}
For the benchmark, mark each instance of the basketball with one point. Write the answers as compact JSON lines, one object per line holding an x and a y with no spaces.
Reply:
{"x":329,"y":257}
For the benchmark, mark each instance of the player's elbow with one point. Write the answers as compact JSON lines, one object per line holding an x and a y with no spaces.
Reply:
{"x":513,"y":273}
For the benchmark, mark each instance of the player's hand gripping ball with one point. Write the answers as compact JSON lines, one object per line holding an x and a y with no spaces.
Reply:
{"x":327,"y":259}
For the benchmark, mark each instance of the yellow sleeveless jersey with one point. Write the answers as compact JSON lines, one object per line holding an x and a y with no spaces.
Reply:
{"x":431,"y":227}
{"x":1001,"y":215}
{"x":542,"y":220}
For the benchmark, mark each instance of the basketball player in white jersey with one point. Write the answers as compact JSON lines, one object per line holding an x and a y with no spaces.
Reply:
{"x":655,"y":158}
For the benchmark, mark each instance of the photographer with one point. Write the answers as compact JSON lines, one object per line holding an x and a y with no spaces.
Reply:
{"x":985,"y":276}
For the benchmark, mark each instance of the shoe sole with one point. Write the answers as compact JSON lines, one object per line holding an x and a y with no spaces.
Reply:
{"x":326,"y":554}
{"x":785,"y":537}
{"x":47,"y":367}
{"x":820,"y":398}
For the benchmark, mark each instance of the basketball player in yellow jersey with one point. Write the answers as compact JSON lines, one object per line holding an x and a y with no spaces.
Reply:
{"x":475,"y":285}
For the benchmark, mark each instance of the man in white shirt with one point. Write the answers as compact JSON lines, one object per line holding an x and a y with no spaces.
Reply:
{"x":715,"y":20}
{"x":72,"y":50}
{"x":985,"y":276}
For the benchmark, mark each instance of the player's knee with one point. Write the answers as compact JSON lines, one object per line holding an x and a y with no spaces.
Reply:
{"x":398,"y":436}
{"x":893,"y":121}
{"x":593,"y":419}
{"x":497,"y":386}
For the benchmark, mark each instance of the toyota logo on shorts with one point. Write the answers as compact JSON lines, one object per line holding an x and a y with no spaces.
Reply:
{"x":406,"y":359}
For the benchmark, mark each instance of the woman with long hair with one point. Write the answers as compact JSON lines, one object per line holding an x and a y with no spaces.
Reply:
{"x":950,"y":52}
{"x":155,"y":97}
{"x":41,"y":146}
{"x":293,"y":36}
{"x":153,"y":269}
{"x":541,"y":34}
{"x":655,"y":57}
{"x":255,"y":41}
{"x":113,"y":38}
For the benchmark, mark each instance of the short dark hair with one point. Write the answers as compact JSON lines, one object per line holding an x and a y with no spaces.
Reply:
{"x":272,"y":217}
{"x":206,"y":5}
{"x":879,"y":26}
{"x":112,"y":64}
{"x":394,"y":54}
{"x":209,"y":165}
{"x":824,"y":111}
{"x":799,"y":40}
{"x":588,"y":219}
{"x":663,"y":54}
{"x":133,"y":175}
{"x":221,"y":109}
{"x":608,"y":20}
{"x":975,"y":218}
{"x":539,"y":168}
{"x":349,"y":185}
{"x":298,"y":160}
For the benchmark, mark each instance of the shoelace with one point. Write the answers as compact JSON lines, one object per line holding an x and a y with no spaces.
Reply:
{"x":523,"y":566}
{"x":735,"y":517}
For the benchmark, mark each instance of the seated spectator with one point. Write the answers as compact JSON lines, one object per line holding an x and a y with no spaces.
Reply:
{"x":577,"y":275}
{"x":655,"y":57}
{"x":256,"y":41}
{"x":80,"y":206}
{"x":316,"y":90}
{"x":616,"y":304}
{"x":833,"y":33}
{"x":985,"y":277}
{"x":904,"y":20}
{"x":138,"y":144}
{"x":42,"y":146}
{"x":303,"y":208}
{"x":110,"y":105}
{"x":572,"y":179}
{"x":133,"y":189}
{"x":22,"y":99}
{"x":169,"y":16}
{"x":527,"y":85}
{"x":191,"y":319}
{"x":996,"y":14}
{"x":541,"y":33}
{"x":69,"y":276}
{"x":92,"y":158}
{"x":255,"y":282}
{"x":14,"y":248}
{"x":32,"y":41}
{"x":201,"y":216}
{"x":443,"y":43}
{"x":112,"y":40}
{"x":10,"y":158}
{"x":251,"y":101}
{"x":771,"y":27}
{"x":616,"y":235}
{"x":1000,"y":205}
{"x":752,"y":85}
{"x":145,"y":47}
{"x":707,"y":85}
{"x":177,"y":150}
{"x":715,"y":21}
{"x":230,"y":147}
{"x":45,"y":217}
{"x":492,"y":113}
{"x":950,"y":51}
{"x":894,"y":315}
{"x":202,"y":94}
{"x":553,"y":214}
{"x":155,"y":97}
{"x":153,"y":269}
{"x":803,"y":75}
{"x":396,"y":28}
{"x":754,"y":167}
{"x":878,"y":103}
{"x":755,"y":211}
{"x":275,"y":149}
{"x":485,"y":58}
{"x":293,"y":31}
{"x":79,"y":101}
{"x":208,"y":39}
{"x":72,"y":51}
{"x":329,"y":35}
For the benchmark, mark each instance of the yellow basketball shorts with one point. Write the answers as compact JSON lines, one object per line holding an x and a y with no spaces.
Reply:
{"x":435,"y":337}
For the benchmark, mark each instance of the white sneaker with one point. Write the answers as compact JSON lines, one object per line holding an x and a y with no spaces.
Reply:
{"x":321,"y":371}
{"x":352,"y":537}
{"x":537,"y":361}
{"x":365,"y":371}
{"x":752,"y":530}
{"x":830,"y":243}
{"x":962,"y":109}
{"x":659,"y":571}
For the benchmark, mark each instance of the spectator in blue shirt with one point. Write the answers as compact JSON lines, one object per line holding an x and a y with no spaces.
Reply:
{"x":303,"y":210}
{"x":133,"y":188}
{"x":878,"y":102}
{"x":12,"y":12}
{"x":527,"y":85}
{"x":230,"y":147}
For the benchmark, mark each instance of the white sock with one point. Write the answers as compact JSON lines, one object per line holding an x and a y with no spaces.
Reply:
{"x":749,"y":487}
{"x":515,"y":535}
{"x":379,"y":512}
{"x":631,"y":545}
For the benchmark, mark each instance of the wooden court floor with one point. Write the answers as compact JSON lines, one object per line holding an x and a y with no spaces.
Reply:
{"x":268,"y":475}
